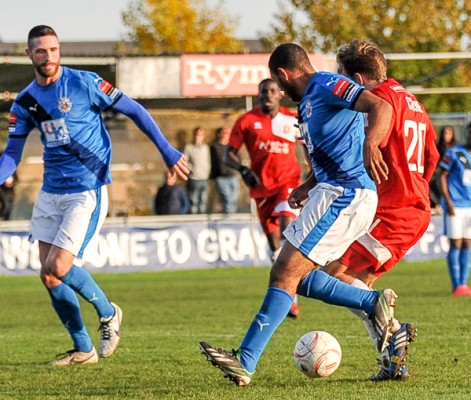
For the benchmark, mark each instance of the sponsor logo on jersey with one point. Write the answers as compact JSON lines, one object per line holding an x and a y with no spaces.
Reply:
{"x":274,"y":146}
{"x":345,"y":89}
{"x":55,"y":132}
{"x":108,"y":89}
{"x":11,"y":123}
{"x":257,"y":125}
{"x":64,"y":105}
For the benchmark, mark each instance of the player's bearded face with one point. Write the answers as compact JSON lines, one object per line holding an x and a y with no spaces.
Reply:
{"x":46,"y":69}
{"x":291,"y":92}
{"x":286,"y":87}
{"x":45,"y":56}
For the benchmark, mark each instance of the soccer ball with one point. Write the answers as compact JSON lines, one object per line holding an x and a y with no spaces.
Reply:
{"x":317,"y":354}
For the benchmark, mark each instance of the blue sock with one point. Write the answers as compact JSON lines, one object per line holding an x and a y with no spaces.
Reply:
{"x":464,"y":266}
{"x":83,"y":283}
{"x":321,"y":286}
{"x":67,"y":306}
{"x":453,"y":262}
{"x":274,"y":310}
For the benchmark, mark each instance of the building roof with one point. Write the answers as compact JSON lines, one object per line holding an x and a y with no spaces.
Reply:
{"x":101,"y":49}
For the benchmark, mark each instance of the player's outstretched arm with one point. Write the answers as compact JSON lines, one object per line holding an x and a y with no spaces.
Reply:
{"x":144,"y":121}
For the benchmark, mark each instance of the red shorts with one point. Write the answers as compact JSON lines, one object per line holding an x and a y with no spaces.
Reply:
{"x":393,"y":232}
{"x":270,"y":208}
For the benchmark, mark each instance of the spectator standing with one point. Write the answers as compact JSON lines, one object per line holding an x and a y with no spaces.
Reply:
{"x":455,"y":184}
{"x":171,"y":197}
{"x":225,"y":177}
{"x":199,"y":161}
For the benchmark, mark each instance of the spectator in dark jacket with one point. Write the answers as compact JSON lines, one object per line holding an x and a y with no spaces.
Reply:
{"x":225,"y":177}
{"x":171,"y":197}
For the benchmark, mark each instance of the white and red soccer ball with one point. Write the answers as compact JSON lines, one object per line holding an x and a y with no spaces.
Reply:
{"x":317,"y":354}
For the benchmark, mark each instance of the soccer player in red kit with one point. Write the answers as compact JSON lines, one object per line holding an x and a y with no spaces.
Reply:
{"x":403,"y":212}
{"x":270,"y":135}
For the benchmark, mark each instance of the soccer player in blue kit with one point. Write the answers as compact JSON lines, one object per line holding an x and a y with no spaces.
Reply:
{"x":455,"y":185}
{"x":65,"y":105}
{"x":340,"y":208}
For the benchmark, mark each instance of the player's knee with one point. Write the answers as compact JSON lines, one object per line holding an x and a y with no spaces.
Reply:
{"x":54,"y":268}
{"x":48,"y":279}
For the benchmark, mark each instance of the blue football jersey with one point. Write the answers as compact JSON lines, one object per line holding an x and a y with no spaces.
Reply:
{"x":457,"y":161}
{"x":333,"y":132}
{"x":77,"y":146}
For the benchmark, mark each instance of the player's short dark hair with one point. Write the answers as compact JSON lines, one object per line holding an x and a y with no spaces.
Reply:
{"x":39,"y":31}
{"x":288,"y":56}
{"x":264,"y":82}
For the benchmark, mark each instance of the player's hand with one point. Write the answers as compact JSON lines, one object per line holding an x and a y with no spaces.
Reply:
{"x":248,"y":176}
{"x":450,"y":208}
{"x":374,"y":163}
{"x":181,"y":168}
{"x":298,"y":197}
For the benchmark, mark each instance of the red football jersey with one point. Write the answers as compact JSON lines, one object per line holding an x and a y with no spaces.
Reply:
{"x":271,"y":144}
{"x":408,"y":149}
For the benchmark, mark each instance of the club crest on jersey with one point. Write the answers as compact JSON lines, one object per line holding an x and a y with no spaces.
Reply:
{"x":64,"y":105}
{"x":308,"y":109}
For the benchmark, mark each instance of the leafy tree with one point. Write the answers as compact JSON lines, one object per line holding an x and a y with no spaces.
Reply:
{"x":180,"y":26}
{"x":397,"y":26}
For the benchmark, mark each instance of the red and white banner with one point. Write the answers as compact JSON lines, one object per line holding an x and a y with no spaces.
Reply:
{"x":228,"y":74}
{"x":199,"y":75}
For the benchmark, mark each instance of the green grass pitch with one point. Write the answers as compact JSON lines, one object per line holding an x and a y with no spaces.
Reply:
{"x":167,"y":313}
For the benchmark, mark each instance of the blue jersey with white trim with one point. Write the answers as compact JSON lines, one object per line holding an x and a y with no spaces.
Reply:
{"x":457,"y":161}
{"x":333,"y":132}
{"x":67,"y":113}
